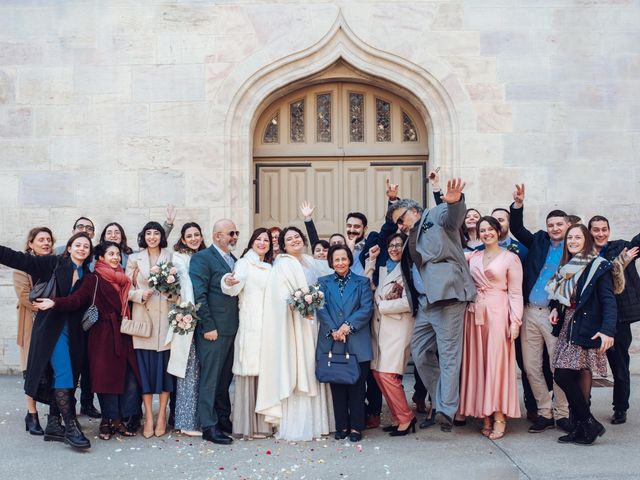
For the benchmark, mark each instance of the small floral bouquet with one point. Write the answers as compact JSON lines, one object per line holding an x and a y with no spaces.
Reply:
{"x":307,"y":300}
{"x":164,"y":278}
{"x":513,"y":248}
{"x":183,"y":318}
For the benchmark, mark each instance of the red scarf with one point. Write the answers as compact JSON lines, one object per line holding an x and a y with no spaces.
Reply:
{"x":118,"y":280}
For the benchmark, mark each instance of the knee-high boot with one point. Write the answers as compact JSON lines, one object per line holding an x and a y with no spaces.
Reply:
{"x":73,"y":435}
{"x":54,"y":432}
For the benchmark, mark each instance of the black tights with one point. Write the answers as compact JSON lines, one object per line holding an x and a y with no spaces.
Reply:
{"x":576,"y":385}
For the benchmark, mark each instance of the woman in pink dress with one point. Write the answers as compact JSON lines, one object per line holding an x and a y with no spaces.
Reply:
{"x":488,"y":380}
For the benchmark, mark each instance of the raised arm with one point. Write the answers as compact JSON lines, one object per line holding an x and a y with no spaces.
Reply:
{"x":516,"y":220}
{"x":307,"y":212}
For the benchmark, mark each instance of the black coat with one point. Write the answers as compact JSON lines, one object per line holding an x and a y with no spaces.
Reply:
{"x":48,"y":324}
{"x":538,"y":244}
{"x":596,"y":309}
{"x":629,"y":300}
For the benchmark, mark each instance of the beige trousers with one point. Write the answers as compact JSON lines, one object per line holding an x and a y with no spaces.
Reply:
{"x":534,"y":334}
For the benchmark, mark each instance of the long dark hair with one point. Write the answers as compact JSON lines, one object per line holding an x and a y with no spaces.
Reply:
{"x":589,"y":243}
{"x":268,"y":257}
{"x":123,"y":238}
{"x":182,"y":247}
{"x":142,"y":243}
{"x":73,"y":238}
{"x":33,"y":233}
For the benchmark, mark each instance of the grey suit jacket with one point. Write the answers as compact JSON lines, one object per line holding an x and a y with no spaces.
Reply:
{"x":217,"y":310}
{"x":444,"y":270}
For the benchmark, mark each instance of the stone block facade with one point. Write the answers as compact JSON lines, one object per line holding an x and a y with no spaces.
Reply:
{"x":113,"y":109}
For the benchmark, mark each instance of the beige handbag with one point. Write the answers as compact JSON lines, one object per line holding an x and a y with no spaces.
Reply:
{"x":136,"y":328}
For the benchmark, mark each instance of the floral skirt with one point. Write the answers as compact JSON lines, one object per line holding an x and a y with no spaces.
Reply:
{"x":576,"y":357}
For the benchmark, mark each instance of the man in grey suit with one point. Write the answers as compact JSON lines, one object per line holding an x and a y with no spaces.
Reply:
{"x":216,"y":331}
{"x":435,"y":248}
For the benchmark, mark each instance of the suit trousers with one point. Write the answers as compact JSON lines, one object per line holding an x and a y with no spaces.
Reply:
{"x":348,"y":402}
{"x":436,"y":347}
{"x":535,"y":334}
{"x":216,"y":361}
{"x":619,"y":362}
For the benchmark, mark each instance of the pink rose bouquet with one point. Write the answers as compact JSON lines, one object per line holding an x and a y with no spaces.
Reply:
{"x":307,"y":300}
{"x":183,"y":318}
{"x":164,"y":278}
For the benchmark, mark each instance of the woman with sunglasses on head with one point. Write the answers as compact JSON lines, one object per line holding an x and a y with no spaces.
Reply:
{"x":248,"y":282}
{"x":183,"y":360}
{"x":112,"y":361}
{"x":40,"y":242}
{"x":57,"y":342}
{"x":584,"y":312}
{"x":392,"y":326}
{"x":152,"y":353}
{"x":488,"y":384}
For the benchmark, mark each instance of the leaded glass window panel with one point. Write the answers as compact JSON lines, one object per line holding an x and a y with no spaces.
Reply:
{"x":409,"y":132}
{"x":383,"y":121}
{"x":272,"y":132}
{"x":356,"y":117}
{"x":323,"y":111}
{"x":296,"y":111}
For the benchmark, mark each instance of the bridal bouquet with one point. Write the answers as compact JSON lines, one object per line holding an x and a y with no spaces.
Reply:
{"x":307,"y":300}
{"x":183,"y":318}
{"x":164,"y":278}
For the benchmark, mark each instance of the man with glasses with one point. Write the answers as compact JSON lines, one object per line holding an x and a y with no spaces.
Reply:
{"x":434,"y":247}
{"x":216,"y":331}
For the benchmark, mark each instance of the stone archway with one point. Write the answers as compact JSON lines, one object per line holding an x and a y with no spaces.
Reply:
{"x":436,"y":94}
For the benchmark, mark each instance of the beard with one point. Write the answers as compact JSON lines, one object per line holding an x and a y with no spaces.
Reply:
{"x":359,"y":237}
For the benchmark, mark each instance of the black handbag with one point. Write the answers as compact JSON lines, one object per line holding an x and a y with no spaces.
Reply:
{"x":91,"y":316}
{"x":44,"y":289}
{"x":340,"y":368}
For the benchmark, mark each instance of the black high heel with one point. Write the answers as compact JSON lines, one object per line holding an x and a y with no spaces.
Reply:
{"x":390,"y":428}
{"x":32,"y":424}
{"x":402,"y":433}
{"x":341,"y":434}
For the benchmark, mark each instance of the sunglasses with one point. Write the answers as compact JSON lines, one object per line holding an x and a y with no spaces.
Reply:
{"x":401,"y":218}
{"x":233,"y":233}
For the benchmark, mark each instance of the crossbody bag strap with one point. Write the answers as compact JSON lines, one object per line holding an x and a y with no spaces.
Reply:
{"x":95,"y":290}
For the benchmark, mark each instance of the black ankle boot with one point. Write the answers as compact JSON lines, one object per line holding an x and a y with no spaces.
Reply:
{"x":54,"y":431}
{"x":32,"y":424}
{"x":73,"y":435}
{"x":590,"y":429}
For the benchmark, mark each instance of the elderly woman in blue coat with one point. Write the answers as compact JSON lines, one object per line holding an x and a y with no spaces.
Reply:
{"x":345,"y":319}
{"x":583,"y":310}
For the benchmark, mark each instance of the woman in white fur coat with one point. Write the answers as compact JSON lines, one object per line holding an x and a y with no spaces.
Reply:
{"x":248,"y":281}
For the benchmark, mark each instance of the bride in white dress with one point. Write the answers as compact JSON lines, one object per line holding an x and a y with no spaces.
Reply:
{"x":289,"y":395}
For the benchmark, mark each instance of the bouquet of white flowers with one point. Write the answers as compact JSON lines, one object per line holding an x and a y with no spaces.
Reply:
{"x":307,"y":300}
{"x":164,"y":278}
{"x":183,"y":318}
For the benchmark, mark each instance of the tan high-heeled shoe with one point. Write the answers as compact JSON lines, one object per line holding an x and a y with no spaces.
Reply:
{"x":148,"y":432}
{"x":161,"y":428}
{"x":498,"y":434}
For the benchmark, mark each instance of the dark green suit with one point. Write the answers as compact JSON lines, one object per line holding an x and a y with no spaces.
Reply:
{"x":217,"y":312}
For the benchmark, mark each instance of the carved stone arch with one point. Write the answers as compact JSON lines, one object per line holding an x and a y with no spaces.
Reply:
{"x":432,"y":87}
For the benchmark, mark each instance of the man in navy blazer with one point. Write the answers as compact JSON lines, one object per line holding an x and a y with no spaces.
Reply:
{"x":216,"y":331}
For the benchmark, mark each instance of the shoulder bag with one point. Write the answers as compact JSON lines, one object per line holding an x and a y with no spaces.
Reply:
{"x":91,"y":316}
{"x":44,"y":289}
{"x":341,"y":368}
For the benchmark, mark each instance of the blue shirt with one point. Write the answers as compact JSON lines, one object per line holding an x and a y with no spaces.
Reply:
{"x":538,"y":296}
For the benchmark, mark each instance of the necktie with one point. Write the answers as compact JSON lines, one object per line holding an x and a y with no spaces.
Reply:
{"x":229,"y":259}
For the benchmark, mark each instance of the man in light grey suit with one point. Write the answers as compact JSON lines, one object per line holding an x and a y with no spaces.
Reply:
{"x":435,"y":248}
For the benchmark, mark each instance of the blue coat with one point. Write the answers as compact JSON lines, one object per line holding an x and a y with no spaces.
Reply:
{"x":596,"y":309}
{"x":355,"y":306}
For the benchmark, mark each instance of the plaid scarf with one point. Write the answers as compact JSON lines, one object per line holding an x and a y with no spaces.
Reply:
{"x":562,"y":286}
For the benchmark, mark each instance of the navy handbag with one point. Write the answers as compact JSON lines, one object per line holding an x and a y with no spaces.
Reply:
{"x":341,"y":368}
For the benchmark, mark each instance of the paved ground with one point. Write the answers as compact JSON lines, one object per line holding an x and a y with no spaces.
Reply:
{"x":428,"y":454}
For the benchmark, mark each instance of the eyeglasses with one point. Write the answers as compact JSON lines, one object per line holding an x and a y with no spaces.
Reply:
{"x":401,"y":218}
{"x":395,"y":246}
{"x":233,"y":233}
{"x":84,"y":228}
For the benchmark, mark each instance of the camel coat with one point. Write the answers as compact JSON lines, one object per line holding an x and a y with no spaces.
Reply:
{"x":22,"y":284}
{"x":392,"y":325}
{"x":155,"y":309}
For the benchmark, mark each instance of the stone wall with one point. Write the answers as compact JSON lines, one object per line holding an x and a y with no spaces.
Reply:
{"x":113,"y":109}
